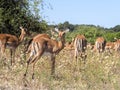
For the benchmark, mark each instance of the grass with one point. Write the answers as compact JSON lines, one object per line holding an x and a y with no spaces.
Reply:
{"x":101,"y":72}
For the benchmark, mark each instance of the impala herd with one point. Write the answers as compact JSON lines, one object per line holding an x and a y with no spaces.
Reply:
{"x":43,"y":44}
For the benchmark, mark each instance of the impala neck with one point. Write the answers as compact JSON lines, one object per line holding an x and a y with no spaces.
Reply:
{"x":61,"y":43}
{"x":22,"y":35}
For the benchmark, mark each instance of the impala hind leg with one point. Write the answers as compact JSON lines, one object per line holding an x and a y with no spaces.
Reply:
{"x":32,"y":53}
{"x":36,"y":58}
{"x":33,"y":60}
{"x":76,"y":55}
{"x":84,"y":56}
{"x":28,"y":62}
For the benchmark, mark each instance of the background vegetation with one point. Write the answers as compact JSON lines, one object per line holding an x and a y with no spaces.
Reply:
{"x":90,"y":31}
{"x":27,"y":13}
{"x":16,"y":13}
{"x":101,"y":72}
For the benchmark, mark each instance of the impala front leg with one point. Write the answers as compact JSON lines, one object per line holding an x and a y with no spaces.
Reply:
{"x":53,"y":64}
{"x":12,"y":54}
{"x":3,"y":49}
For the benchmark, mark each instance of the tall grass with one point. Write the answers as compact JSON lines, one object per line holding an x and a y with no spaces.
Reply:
{"x":101,"y":72}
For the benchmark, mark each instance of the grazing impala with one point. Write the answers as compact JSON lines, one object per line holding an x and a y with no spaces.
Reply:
{"x":80,"y":44}
{"x":100,"y":44}
{"x":69,"y":46}
{"x":11,"y":42}
{"x":41,"y":44}
{"x":109,"y":46}
{"x":117,"y":45}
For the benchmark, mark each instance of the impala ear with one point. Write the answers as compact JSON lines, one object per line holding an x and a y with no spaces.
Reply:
{"x":56,"y":30}
{"x":25,"y":29}
{"x":21,"y":27}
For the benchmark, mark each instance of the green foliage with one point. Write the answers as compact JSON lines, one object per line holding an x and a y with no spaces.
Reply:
{"x":91,"y":32}
{"x":116,"y":28}
{"x":66,"y":25}
{"x":117,"y":35}
{"x":16,"y":13}
{"x":110,"y":36}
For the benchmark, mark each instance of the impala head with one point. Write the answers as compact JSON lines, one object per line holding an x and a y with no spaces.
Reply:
{"x":61,"y":34}
{"x":23,"y":30}
{"x":23,"y":34}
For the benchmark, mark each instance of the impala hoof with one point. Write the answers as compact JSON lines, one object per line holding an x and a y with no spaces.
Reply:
{"x":24,"y":75}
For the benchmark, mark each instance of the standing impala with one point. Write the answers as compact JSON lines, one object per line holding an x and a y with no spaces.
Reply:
{"x":117,"y":45}
{"x":11,"y":42}
{"x":41,"y":44}
{"x":100,"y":44}
{"x":80,"y":45}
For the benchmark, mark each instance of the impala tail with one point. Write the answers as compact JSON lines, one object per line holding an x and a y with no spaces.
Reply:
{"x":80,"y":45}
{"x":28,"y":46}
{"x":104,"y":44}
{"x":100,"y":46}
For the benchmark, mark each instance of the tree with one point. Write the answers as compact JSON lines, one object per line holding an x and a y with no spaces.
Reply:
{"x":116,"y":28}
{"x":15,"y":13}
{"x":65,"y":25}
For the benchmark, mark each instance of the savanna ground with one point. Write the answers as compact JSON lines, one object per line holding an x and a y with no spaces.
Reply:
{"x":101,"y":72}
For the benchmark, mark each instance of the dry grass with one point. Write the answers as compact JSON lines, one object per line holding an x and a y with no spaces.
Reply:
{"x":101,"y":72}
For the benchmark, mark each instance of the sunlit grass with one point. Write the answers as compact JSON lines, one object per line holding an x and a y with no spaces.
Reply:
{"x":101,"y":72}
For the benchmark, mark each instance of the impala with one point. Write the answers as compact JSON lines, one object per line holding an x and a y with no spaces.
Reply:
{"x":109,"y":46}
{"x":11,"y":42}
{"x":100,"y":44}
{"x":117,"y":45}
{"x":69,"y":46}
{"x":41,"y":44}
{"x":80,"y":44}
{"x":29,"y":45}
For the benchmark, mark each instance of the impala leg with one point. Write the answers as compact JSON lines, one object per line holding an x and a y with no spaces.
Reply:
{"x":3,"y":55}
{"x":53,"y":64}
{"x":26,"y":68}
{"x":11,"y":54}
{"x":32,"y":53}
{"x":0,"y":48}
{"x":36,"y":58}
{"x":33,"y":60}
{"x":34,"y":67}
{"x":28,"y":62}
{"x":3,"y":49}
{"x":76,"y":54}
{"x":84,"y":57}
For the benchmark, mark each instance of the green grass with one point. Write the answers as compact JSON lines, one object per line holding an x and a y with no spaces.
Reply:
{"x":101,"y":72}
